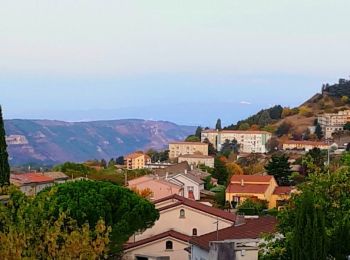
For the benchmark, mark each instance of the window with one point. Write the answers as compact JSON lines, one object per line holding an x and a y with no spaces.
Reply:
{"x":194,"y":232}
{"x":169,"y":245}
{"x":182,"y":213}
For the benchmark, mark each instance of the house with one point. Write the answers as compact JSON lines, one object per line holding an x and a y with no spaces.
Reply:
{"x":197,"y":159}
{"x":173,"y":169}
{"x":237,"y":242}
{"x":242,"y":187}
{"x":332,"y":122}
{"x":136,"y":160}
{"x":180,"y":219}
{"x":304,"y":145}
{"x":160,"y":188}
{"x":181,"y":148}
{"x":59,"y":177}
{"x":191,"y":183}
{"x":31,"y":183}
{"x":249,"y":141}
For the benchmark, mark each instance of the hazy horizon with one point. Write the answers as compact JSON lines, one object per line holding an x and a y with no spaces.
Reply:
{"x":189,"y":62}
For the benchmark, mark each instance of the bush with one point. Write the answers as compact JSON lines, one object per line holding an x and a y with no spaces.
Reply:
{"x":252,"y":207}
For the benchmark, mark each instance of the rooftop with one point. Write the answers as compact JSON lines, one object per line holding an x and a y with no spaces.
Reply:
{"x":170,"y":233}
{"x":305,"y":142}
{"x":247,"y":188}
{"x":135,"y":155}
{"x":56,"y":175}
{"x":27,"y":178}
{"x":188,"y":143}
{"x":178,"y":200}
{"x":282,"y":190}
{"x":252,"y":229}
{"x":201,"y":156}
{"x":251,"y":178}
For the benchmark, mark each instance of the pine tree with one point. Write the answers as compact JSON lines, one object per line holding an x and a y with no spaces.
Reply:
{"x":199,"y":132}
{"x":318,"y":132}
{"x":279,"y":167}
{"x":4,"y":164}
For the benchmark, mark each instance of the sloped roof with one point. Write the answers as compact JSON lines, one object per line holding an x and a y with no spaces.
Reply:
{"x":179,"y":200}
{"x":173,"y":169}
{"x":247,"y":188}
{"x":133,"y":155}
{"x":251,"y":178}
{"x":27,"y":178}
{"x":56,"y":175}
{"x":282,"y":190}
{"x":188,"y":143}
{"x":170,"y":233}
{"x":252,"y":229}
{"x":201,"y":156}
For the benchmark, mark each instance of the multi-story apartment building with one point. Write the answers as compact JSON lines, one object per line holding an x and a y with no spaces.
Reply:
{"x":136,"y":160}
{"x":197,"y":159}
{"x":181,"y":148}
{"x":249,"y":141}
{"x":304,"y":145}
{"x":332,"y":122}
{"x":211,"y":135}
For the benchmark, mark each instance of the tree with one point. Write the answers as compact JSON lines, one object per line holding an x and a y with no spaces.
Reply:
{"x":347,"y":126}
{"x":309,"y":234}
{"x":89,"y":201}
{"x":218,"y":124}
{"x":199,"y":132}
{"x":345,"y":99}
{"x":244,"y":126}
{"x":233,"y":169}
{"x":192,"y":138}
{"x":120,"y":160}
{"x":319,"y":132}
{"x":220,"y":172}
{"x":264,"y":119}
{"x":272,"y":144}
{"x":279,"y":167}
{"x":283,"y":129}
{"x":111,"y":163}
{"x":4,"y":164}
{"x":211,"y":148}
{"x":103,"y":163}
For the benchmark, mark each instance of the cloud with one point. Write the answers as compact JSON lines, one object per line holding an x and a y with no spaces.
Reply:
{"x":245,"y":103}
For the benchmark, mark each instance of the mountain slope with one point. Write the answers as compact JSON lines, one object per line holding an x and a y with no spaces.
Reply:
{"x":57,"y":141}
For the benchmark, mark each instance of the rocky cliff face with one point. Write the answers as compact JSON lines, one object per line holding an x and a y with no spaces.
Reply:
{"x":47,"y":141}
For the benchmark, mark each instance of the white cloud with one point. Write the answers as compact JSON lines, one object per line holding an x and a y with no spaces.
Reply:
{"x":245,"y":103}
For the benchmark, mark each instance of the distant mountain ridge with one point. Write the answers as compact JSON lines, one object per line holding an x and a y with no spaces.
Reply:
{"x":51,"y":141}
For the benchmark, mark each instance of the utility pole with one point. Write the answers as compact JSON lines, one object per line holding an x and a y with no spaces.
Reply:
{"x":217,"y":229}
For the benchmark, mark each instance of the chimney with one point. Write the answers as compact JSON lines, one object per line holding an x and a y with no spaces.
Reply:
{"x":185,"y":171}
{"x":191,"y":167}
{"x":166,"y":175}
{"x":240,"y":219}
{"x":242,"y":182}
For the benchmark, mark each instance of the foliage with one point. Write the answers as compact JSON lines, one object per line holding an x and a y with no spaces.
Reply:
{"x":233,"y":169}
{"x":305,"y":111}
{"x":88,"y":201}
{"x":345,"y":99}
{"x":272,"y":144}
{"x":284,"y":128}
{"x":279,"y":167}
{"x":319,"y":132}
{"x":218,"y":124}
{"x":230,"y":146}
{"x":338,"y":90}
{"x":211,"y":148}
{"x":144,"y":193}
{"x":274,"y":248}
{"x":4,"y":164}
{"x":220,"y":172}
{"x":244,"y":126}
{"x":313,"y":161}
{"x":252,"y":207}
{"x":262,"y":118}
{"x":111,"y":163}
{"x":158,"y":156}
{"x":192,"y":138}
{"x":27,"y":231}
{"x":119,"y":160}
{"x":220,"y":197}
{"x":199,"y":132}
{"x":347,"y":126}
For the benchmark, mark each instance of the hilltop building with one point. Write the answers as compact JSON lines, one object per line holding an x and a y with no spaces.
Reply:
{"x":304,"y":145}
{"x":197,"y":159}
{"x":332,"y":122}
{"x":249,"y":141}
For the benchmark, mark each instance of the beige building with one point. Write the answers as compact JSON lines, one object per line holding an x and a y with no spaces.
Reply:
{"x":180,"y":219}
{"x":249,"y":141}
{"x":332,"y":122}
{"x":137,"y":160}
{"x":304,"y":145}
{"x":181,"y":148}
{"x":31,"y":183}
{"x":197,"y":159}
{"x":211,"y":135}
{"x":242,"y":187}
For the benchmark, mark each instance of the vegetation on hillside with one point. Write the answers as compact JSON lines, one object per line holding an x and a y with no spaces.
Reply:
{"x":4,"y":164}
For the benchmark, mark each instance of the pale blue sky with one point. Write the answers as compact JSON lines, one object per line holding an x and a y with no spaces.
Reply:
{"x":185,"y":61}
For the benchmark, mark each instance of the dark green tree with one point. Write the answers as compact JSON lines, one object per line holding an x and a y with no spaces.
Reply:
{"x":4,"y":164}
{"x":211,"y":148}
{"x":309,"y":240}
{"x":218,"y":124}
{"x":279,"y":167}
{"x":264,"y":119}
{"x":111,"y":163}
{"x":283,"y":129}
{"x":220,"y":172}
{"x":319,"y":132}
{"x":103,"y":163}
{"x":192,"y":138}
{"x":119,"y":160}
{"x":90,"y":201}
{"x":347,"y":126}
{"x":199,"y":132}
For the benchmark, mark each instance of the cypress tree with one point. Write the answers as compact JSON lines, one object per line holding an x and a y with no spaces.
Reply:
{"x":4,"y":164}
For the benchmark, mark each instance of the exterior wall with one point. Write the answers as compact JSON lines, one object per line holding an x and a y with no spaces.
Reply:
{"x":160,"y":190}
{"x":158,"y":248}
{"x":197,"y":160}
{"x":211,"y":135}
{"x":189,"y":185}
{"x":180,"y":148}
{"x":305,"y":146}
{"x":277,"y":197}
{"x":33,"y":189}
{"x":170,"y":219}
{"x":198,"y":253}
{"x":332,"y":122}
{"x":136,"y":162}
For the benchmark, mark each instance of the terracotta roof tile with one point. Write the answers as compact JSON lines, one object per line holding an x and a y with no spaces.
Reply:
{"x":247,"y":188}
{"x":252,"y":229}
{"x":251,"y":178}
{"x":173,"y":169}
{"x":189,"y":143}
{"x":170,"y":233}
{"x":27,"y":178}
{"x":196,"y":205}
{"x":281,"y":190}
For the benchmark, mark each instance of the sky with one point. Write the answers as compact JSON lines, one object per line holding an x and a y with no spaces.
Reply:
{"x":189,"y":62}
